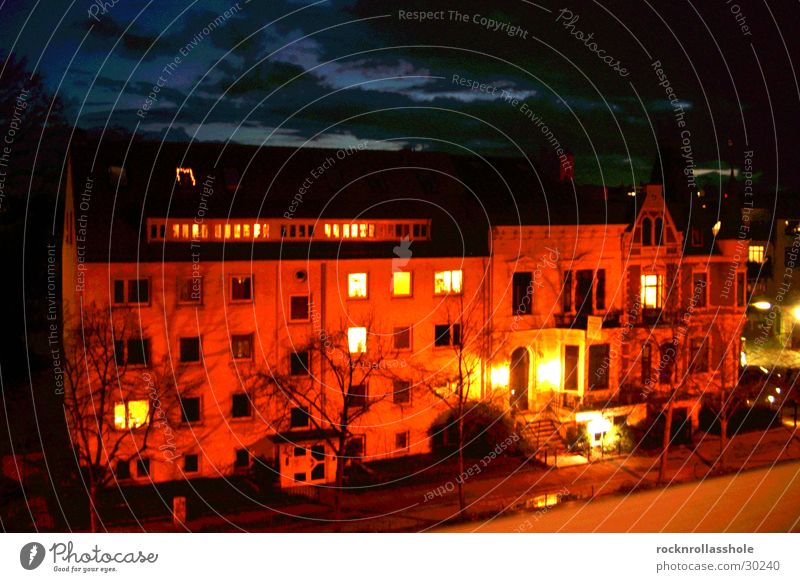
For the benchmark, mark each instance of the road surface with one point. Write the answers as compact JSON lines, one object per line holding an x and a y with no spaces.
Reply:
{"x":759,"y":500}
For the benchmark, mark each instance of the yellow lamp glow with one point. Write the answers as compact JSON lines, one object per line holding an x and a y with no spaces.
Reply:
{"x":550,"y":372}
{"x":598,"y":426}
{"x":762,"y":305}
{"x":796,"y":312}
{"x":500,"y":376}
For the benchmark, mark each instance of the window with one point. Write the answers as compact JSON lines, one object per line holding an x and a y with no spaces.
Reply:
{"x":190,"y":349}
{"x":445,"y":282}
{"x":401,"y":441}
{"x":401,"y":284}
{"x":599,"y":366}
{"x":357,"y":340}
{"x":658,"y":232}
{"x":402,"y":338}
{"x":242,"y":346}
{"x":566,"y":292}
{"x":522,"y":293}
{"x":447,"y":335}
{"x":647,"y":363}
{"x":191,"y":464}
{"x":241,"y":288}
{"x":584,"y":283}
{"x":600,"y":290}
{"x":299,"y":308}
{"x":190,"y":290}
{"x":647,"y":232}
{"x":190,"y":409}
{"x":651,"y":292}
{"x":571,"y":356}
{"x":131,"y":414}
{"x":357,"y":285}
{"x":357,"y":396}
{"x":756,"y":253}
{"x":242,"y":460}
{"x":355,"y":447}
{"x":699,"y":355}
{"x":298,"y":364}
{"x":401,"y":392}
{"x":122,"y":470}
{"x":665,"y":363}
{"x":143,"y":468}
{"x":741,"y":289}
{"x":699,"y":289}
{"x":298,"y":417}
{"x":318,"y":456}
{"x":131,"y":291}
{"x":241,"y":406}
{"x":134,"y":352}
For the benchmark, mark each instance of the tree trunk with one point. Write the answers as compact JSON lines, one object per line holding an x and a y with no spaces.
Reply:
{"x":723,"y":439}
{"x":662,"y":469}
{"x":93,"y":521}
{"x":341,"y":459}
{"x":462,"y":494}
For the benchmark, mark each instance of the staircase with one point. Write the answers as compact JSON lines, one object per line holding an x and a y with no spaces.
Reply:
{"x":542,"y":433}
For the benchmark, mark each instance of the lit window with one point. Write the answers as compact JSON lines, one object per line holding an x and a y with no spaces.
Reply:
{"x":176,"y":231}
{"x":357,"y":285}
{"x":357,"y":339}
{"x":137,"y":411}
{"x":651,"y":291}
{"x":184,"y":175}
{"x":217,"y":231}
{"x":401,"y":284}
{"x":447,"y":282}
{"x":184,"y":231}
{"x":237,"y":231}
{"x":246,"y":230}
{"x":195,"y":231}
{"x":242,"y":346}
{"x":327,"y":230}
{"x":241,"y":289}
{"x":256,"y":230}
{"x":227,"y":231}
{"x":755,"y":254}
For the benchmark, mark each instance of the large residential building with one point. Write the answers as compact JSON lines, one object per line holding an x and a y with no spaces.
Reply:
{"x":291,"y":297}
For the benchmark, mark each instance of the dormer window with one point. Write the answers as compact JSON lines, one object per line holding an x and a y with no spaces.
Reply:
{"x":184,"y":177}
{"x":658,"y":232}
{"x":647,"y":232}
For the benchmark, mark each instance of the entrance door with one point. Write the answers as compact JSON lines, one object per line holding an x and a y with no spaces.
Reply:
{"x":518,"y":381}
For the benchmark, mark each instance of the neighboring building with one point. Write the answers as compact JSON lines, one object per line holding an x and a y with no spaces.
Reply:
{"x":232,"y":260}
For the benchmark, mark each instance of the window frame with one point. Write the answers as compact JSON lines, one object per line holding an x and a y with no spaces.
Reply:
{"x":126,"y":282}
{"x":405,"y":391}
{"x":251,"y":299}
{"x":659,"y":289}
{"x":126,"y":406}
{"x":451,"y":343}
{"x":517,"y":303}
{"x":306,"y":415}
{"x":410,"y":293}
{"x":294,"y":319}
{"x":199,"y":350}
{"x":449,"y":290}
{"x":248,"y":401}
{"x":179,"y":283}
{"x":396,"y":332}
{"x":577,"y":368}
{"x":185,"y":421}
{"x":364,"y":297}
{"x":240,"y":336}
{"x":296,"y":359}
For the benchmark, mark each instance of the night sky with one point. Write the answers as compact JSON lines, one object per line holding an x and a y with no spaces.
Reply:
{"x":336,"y":73}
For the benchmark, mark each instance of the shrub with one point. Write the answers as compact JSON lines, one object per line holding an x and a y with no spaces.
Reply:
{"x":485,"y":426}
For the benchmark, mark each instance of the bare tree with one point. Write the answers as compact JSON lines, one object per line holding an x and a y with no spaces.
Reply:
{"x":333,"y":389}
{"x":101,"y":382}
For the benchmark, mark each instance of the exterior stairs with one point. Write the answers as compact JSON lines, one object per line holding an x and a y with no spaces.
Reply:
{"x":542,"y":434}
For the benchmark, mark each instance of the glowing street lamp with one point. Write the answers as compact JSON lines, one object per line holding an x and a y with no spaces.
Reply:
{"x":762,"y":305}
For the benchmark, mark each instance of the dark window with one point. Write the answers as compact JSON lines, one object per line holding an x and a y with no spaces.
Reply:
{"x":242,"y":346}
{"x":647,"y":363}
{"x":598,"y":366}
{"x":241,"y":288}
{"x":566,"y":292}
{"x":299,"y":476}
{"x":138,"y":352}
{"x":357,"y":397}
{"x":699,"y":355}
{"x":142,"y":467}
{"x":401,"y":440}
{"x":299,"y":452}
{"x":699,"y":285}
{"x":402,"y":338}
{"x":190,"y":464}
{"x":298,"y":417}
{"x":190,"y":289}
{"x":318,"y":472}
{"x":355,"y":447}
{"x":299,"y":308}
{"x":190,"y":409}
{"x":318,"y":455}
{"x":447,"y":335}
{"x":600,"y":291}
{"x":119,"y":352}
{"x":571,"y":354}
{"x":522,"y":293}
{"x":299,"y":364}
{"x":401,"y":391}
{"x":190,"y":349}
{"x":658,"y":231}
{"x":119,"y":291}
{"x":665,"y":363}
{"x":647,"y":232}
{"x":242,"y":458}
{"x":318,"y":452}
{"x":123,"y":470}
{"x":584,"y":280}
{"x":741,"y":289}
{"x":241,"y":406}
{"x":139,"y":291}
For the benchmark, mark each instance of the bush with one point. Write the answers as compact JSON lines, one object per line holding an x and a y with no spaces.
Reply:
{"x":485,"y":426}
{"x":649,"y":434}
{"x":745,"y":419}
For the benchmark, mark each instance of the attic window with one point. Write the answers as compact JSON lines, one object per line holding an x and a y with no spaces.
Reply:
{"x":183,"y":176}
{"x":117,"y":176}
{"x":231,"y":177}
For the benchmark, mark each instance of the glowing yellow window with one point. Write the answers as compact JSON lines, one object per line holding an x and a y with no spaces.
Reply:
{"x":176,"y":231}
{"x":755,"y":254}
{"x":195,"y":231}
{"x":137,"y":411}
{"x":651,"y":291}
{"x":327,"y":229}
{"x":357,"y":339}
{"x":336,"y":231}
{"x":401,"y":284}
{"x":217,"y":231}
{"x":362,"y":230}
{"x":204,"y":231}
{"x":246,"y":230}
{"x":185,"y":231}
{"x":357,"y":285}
{"x":447,"y":282}
{"x":237,"y":231}
{"x":227,"y":231}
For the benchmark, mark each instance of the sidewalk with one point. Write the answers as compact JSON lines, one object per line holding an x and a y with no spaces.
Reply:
{"x":510,"y":488}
